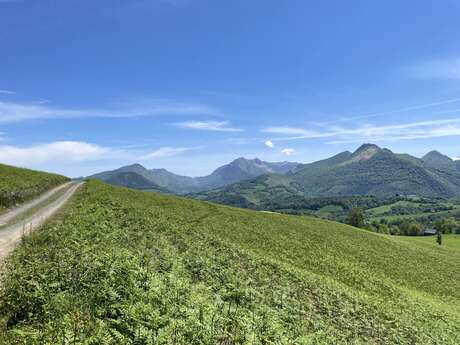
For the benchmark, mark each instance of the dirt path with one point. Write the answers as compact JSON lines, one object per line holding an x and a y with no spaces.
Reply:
{"x":7,"y":217}
{"x":11,"y":234}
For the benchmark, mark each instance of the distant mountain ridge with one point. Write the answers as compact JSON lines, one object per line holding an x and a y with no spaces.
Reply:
{"x":136,"y":181}
{"x":236,"y":171}
{"x":370,"y":170}
{"x":435,"y":159}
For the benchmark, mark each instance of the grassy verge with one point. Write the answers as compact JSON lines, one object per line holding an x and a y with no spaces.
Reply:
{"x":37,"y":207}
{"x":18,"y":185}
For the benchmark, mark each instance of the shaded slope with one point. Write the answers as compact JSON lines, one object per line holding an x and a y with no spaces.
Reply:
{"x":177,"y":183}
{"x":201,"y":273}
{"x":18,"y":185}
{"x":383,"y":174}
{"x":253,"y":193}
{"x":370,"y":171}
{"x":242,"y":169}
{"x":135,"y":181}
{"x":437,"y":160}
{"x":239,"y":170}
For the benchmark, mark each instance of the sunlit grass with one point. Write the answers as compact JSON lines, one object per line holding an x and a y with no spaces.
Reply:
{"x":126,"y":267}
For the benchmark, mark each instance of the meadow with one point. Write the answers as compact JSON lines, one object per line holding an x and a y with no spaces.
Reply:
{"x":125,"y":267}
{"x":18,"y":185}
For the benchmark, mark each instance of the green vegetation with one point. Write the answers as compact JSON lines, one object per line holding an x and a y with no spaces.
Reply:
{"x":356,"y":218}
{"x":368,"y":172}
{"x":239,"y":170}
{"x":378,"y":172}
{"x":18,"y":185}
{"x":124,"y":267}
{"x":135,"y":181}
{"x":426,"y":213}
{"x":451,"y":243}
{"x":447,"y":225}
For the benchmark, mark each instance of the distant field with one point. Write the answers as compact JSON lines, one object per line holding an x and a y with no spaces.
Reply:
{"x":126,"y":267}
{"x":18,"y":185}
{"x":413,"y":210}
{"x":451,"y":242}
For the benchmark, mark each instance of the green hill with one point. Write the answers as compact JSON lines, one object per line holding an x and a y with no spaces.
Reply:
{"x":369,"y":171}
{"x":18,"y":185}
{"x":253,"y":193}
{"x":437,"y":160}
{"x":135,"y":181}
{"x":124,"y":267}
{"x":238,"y":170}
{"x":379,"y":172}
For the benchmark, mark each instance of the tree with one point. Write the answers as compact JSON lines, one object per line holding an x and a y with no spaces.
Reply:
{"x":408,"y":228}
{"x":446,"y":225}
{"x":356,"y":218}
{"x":439,"y":237}
{"x":384,"y":229}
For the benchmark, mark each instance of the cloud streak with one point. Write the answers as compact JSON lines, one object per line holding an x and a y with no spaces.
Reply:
{"x":16,"y":112}
{"x":406,"y":131}
{"x":396,"y":111}
{"x":167,"y":151}
{"x":218,"y":126}
{"x":447,"y":69}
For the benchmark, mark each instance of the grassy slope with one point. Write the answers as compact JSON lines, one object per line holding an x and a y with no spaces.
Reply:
{"x":135,"y":181}
{"x":378,"y":213}
{"x":127,"y":266}
{"x":18,"y":185}
{"x":252,"y":193}
{"x":451,"y":243}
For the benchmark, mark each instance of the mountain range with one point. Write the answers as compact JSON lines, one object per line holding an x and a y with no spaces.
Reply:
{"x":370,"y":170}
{"x":138,"y":177}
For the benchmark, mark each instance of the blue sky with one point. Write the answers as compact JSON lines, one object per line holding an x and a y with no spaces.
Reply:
{"x":192,"y":84}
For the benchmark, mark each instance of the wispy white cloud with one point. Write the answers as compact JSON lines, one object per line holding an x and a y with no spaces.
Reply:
{"x":437,"y":69}
{"x":269,"y":144}
{"x":58,"y":151}
{"x":288,"y":152}
{"x":295,"y":132}
{"x":405,"y":131}
{"x":167,"y":151}
{"x":7,"y":92}
{"x":220,"y":126}
{"x":15,"y":112}
{"x":395,"y":111}
{"x":288,"y":130}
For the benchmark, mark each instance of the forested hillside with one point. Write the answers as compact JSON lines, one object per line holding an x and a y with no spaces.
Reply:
{"x":369,"y":171}
{"x":240,"y":169}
